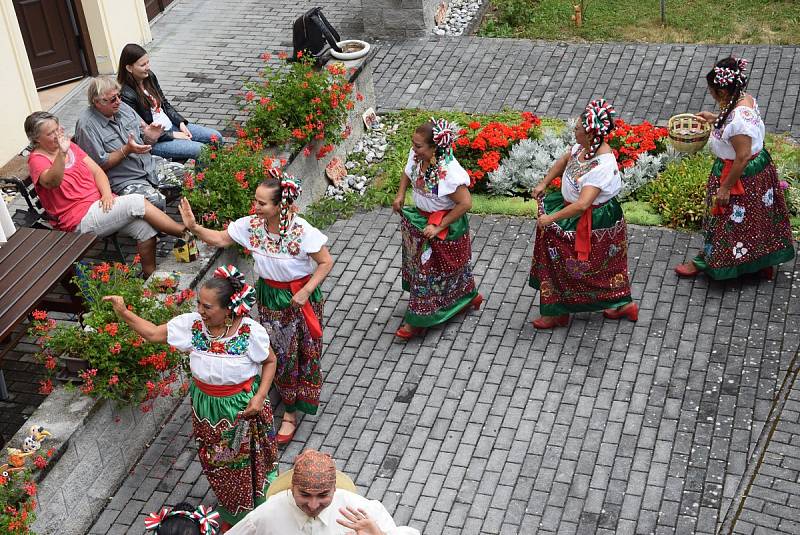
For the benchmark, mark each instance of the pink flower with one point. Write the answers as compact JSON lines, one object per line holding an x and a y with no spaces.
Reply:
{"x":783,"y":184}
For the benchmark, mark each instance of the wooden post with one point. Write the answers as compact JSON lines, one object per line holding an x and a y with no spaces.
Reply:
{"x":577,"y":17}
{"x":663,"y":12}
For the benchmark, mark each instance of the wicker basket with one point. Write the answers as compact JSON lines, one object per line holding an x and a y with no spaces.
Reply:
{"x":687,"y":133}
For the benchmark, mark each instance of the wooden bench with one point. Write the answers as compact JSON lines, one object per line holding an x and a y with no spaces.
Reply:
{"x":32,"y":262}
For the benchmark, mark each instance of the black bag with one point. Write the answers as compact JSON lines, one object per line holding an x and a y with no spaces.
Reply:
{"x":311,"y":33}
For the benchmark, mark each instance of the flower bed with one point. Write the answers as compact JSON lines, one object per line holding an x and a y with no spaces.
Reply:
{"x":119,"y":364}
{"x":660,"y":186}
{"x":481,"y":147}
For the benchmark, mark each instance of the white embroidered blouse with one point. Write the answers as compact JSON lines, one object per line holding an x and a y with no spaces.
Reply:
{"x":600,"y":172}
{"x":436,"y":198}
{"x":226,"y":361}
{"x":743,"y":120}
{"x":272,"y":262}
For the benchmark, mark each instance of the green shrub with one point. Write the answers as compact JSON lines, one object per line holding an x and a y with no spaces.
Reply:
{"x":679,"y":192}
{"x":641,"y":213}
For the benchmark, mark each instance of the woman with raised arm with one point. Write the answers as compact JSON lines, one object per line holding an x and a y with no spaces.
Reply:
{"x":291,"y":261}
{"x":232,"y":369}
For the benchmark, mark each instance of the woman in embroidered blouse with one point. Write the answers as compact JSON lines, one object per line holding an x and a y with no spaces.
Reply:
{"x":232,"y":368}
{"x":747,"y":228}
{"x":437,"y":270}
{"x":141,"y":91}
{"x":580,"y":260}
{"x":291,"y":261}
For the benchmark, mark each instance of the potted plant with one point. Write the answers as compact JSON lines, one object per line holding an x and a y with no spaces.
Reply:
{"x":118,"y":363}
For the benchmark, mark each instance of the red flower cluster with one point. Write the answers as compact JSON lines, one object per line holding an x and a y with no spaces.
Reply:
{"x":629,"y":141}
{"x":158,"y":361}
{"x":481,"y":147}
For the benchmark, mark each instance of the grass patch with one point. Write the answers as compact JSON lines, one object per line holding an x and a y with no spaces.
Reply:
{"x":641,"y":213}
{"x":511,"y":206}
{"x":699,"y":21}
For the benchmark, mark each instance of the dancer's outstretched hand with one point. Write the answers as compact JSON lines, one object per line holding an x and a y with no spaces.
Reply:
{"x":189,"y":221}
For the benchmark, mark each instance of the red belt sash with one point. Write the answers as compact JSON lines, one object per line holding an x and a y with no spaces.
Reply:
{"x":435,"y":218}
{"x":583,"y":234}
{"x":219,"y":391}
{"x":314,"y":327}
{"x":736,"y":189}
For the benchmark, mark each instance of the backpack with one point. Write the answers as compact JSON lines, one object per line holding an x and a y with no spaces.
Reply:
{"x":311,"y":33}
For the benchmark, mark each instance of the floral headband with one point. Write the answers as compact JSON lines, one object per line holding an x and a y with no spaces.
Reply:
{"x":290,"y":192}
{"x":206,"y":517}
{"x":725,"y":76}
{"x":242,"y":300}
{"x":598,"y":117}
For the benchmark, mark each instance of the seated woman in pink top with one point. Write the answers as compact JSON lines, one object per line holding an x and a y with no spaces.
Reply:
{"x":76,"y":195}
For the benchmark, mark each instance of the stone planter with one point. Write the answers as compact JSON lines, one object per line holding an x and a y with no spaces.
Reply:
{"x":72,"y":367}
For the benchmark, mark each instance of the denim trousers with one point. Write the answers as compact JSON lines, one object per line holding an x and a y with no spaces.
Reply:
{"x":183,"y":149}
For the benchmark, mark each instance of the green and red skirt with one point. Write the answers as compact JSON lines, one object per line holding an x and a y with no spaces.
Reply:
{"x":752,"y":232}
{"x":437,"y":272}
{"x":225,"y":452}
{"x":568,"y":284}
{"x":296,"y":343}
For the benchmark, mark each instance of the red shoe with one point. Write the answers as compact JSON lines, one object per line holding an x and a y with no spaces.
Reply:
{"x":476,"y":302}
{"x":551,"y":322}
{"x":687,"y":270}
{"x":767,"y":273}
{"x":285,"y":439}
{"x":630,"y":311}
{"x":405,"y":334}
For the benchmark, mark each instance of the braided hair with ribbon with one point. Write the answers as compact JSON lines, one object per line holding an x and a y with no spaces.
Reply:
{"x":233,"y":290}
{"x":440,"y":134}
{"x":290,"y":190}
{"x":182,"y":518}
{"x":598,"y":121}
{"x":728,"y":75}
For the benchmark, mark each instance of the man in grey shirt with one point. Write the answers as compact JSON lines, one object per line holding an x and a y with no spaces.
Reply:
{"x":115,"y":137}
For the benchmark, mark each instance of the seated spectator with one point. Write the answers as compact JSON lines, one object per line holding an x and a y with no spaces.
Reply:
{"x":180,"y":139}
{"x":120,"y":142}
{"x":183,"y":519}
{"x":76,"y":194}
{"x":315,"y":505}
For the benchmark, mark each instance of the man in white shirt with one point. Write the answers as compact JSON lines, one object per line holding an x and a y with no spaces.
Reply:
{"x":314,"y":506}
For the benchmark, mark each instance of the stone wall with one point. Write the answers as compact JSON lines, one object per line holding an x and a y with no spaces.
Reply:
{"x":398,"y":18}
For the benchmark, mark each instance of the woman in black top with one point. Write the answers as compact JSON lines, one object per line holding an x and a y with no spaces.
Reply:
{"x":181,"y":140}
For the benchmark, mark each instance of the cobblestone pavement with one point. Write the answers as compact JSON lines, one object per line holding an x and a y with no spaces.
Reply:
{"x":486,"y":426}
{"x":773,"y":500}
{"x":644,"y":81}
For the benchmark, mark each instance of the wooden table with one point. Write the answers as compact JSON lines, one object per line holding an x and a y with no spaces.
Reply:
{"x":32,"y":262}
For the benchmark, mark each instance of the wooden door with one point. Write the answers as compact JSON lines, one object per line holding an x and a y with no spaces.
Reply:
{"x":154,"y":7}
{"x":51,"y":39}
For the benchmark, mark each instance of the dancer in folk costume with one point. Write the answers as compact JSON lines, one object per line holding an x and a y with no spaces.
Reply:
{"x":747,"y":227}
{"x":232,"y":369}
{"x":437,"y":268}
{"x":291,"y":261}
{"x":580,"y":260}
